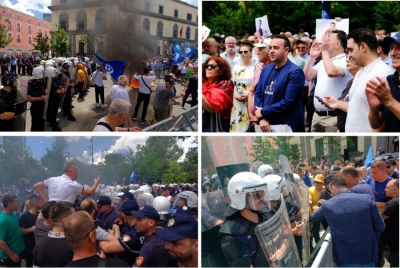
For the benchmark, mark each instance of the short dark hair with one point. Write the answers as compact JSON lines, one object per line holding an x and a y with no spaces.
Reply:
{"x":342,"y":37}
{"x":146,"y":70}
{"x":338,"y":182}
{"x":384,"y":45}
{"x":46,"y":206}
{"x":286,"y":41}
{"x":349,"y":170}
{"x":59,"y":211}
{"x":7,"y":199}
{"x":364,"y":35}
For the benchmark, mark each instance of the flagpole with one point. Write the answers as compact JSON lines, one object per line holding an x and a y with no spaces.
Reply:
{"x":92,"y":150}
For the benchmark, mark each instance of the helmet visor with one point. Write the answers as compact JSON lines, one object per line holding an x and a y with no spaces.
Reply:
{"x":257,"y":201}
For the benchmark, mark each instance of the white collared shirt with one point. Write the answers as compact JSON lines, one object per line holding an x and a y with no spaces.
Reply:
{"x":63,"y":188}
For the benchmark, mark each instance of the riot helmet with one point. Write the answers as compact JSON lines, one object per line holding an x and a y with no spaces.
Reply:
{"x":248,"y":190}
{"x":50,"y":72}
{"x":276,"y":186}
{"x":8,"y":79}
{"x":38,"y":72}
{"x":265,"y":170}
{"x":186,"y":198}
{"x":144,"y":199}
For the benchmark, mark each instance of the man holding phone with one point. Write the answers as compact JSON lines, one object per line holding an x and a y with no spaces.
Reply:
{"x":332,"y":77}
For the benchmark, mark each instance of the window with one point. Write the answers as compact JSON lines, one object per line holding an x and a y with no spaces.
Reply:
{"x":147,"y":6}
{"x":63,"y":21}
{"x":161,"y":9}
{"x":188,"y":32}
{"x":40,"y":30}
{"x":9,"y":26}
{"x":45,"y":33}
{"x":175,"y":13}
{"x":146,"y":25}
{"x":228,"y":151}
{"x":352,"y":143}
{"x":246,"y":150}
{"x":197,"y":18}
{"x":100,"y":46}
{"x":81,"y":20}
{"x":159,"y":50}
{"x":18,"y":28}
{"x":9,"y":36}
{"x":18,"y":39}
{"x":196,"y":34}
{"x":175,"y":31}
{"x":101,"y":19}
{"x":319,"y":147}
{"x":63,"y":1}
{"x":29,"y":40}
{"x":29,"y":30}
{"x":189,"y":16}
{"x":81,"y":48}
{"x":160,"y":28}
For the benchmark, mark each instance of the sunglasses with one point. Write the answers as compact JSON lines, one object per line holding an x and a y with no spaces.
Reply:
{"x":388,"y":166}
{"x":245,"y":52}
{"x":94,"y":227}
{"x":213,"y":66}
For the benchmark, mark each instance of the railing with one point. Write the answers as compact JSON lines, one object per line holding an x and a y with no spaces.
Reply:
{"x":185,"y":122}
{"x":322,"y":255}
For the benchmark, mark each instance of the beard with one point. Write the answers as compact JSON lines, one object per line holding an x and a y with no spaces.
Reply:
{"x":230,"y":50}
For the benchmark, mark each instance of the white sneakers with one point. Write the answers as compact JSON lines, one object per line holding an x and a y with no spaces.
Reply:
{"x":104,"y":105}
{"x":98,"y":105}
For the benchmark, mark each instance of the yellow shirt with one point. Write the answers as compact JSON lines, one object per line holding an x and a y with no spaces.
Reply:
{"x":313,"y":195}
{"x":81,"y":75}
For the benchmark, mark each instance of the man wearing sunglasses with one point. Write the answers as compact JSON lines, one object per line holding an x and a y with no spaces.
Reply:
{"x":278,"y":95}
{"x":390,"y":168}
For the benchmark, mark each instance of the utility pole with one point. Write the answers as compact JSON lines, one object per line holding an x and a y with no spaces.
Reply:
{"x":91,"y":147}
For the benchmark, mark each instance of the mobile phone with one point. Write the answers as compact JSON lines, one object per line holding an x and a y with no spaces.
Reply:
{"x":322,"y":102}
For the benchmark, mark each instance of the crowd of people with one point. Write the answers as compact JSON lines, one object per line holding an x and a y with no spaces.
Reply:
{"x":358,"y":204}
{"x":55,"y":81}
{"x":115,"y":226}
{"x":328,"y":85}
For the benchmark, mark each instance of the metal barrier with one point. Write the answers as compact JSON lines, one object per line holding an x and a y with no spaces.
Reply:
{"x":322,"y":255}
{"x":185,"y":122}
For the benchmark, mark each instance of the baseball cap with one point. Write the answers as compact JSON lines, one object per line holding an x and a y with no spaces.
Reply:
{"x":328,"y":179}
{"x":104,"y":200}
{"x":128,"y":195}
{"x":335,"y":168}
{"x":128,"y":207}
{"x":34,"y":196}
{"x":395,"y":38}
{"x":264,"y":42}
{"x":182,"y":225}
{"x":319,"y":178}
{"x":147,"y":212}
{"x":391,"y":162}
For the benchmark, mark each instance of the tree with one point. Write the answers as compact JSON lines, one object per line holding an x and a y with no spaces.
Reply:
{"x":42,"y":43}
{"x":115,"y":167}
{"x":267,"y":149}
{"x":56,"y":156}
{"x":59,"y":41}
{"x":89,"y":40}
{"x":4,"y":39}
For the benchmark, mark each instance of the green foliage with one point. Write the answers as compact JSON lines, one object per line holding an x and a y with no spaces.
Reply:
{"x":56,"y":156}
{"x":89,"y":40}
{"x":4,"y":40}
{"x":237,"y":17}
{"x":175,"y":173}
{"x":42,"y":43}
{"x":59,"y":41}
{"x":15,"y":161}
{"x":267,"y":149}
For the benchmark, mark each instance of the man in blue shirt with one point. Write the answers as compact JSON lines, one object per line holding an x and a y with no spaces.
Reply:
{"x":354,"y":220}
{"x":107,"y":214}
{"x":278,"y":95}
{"x":378,"y":181}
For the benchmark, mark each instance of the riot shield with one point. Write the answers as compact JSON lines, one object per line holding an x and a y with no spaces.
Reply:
{"x":305,"y":215}
{"x":277,"y":241}
{"x":64,"y":83}
{"x":46,"y":103}
{"x":73,"y":75}
{"x":213,"y":208}
{"x":107,"y":191}
{"x":144,"y":199}
{"x":20,"y":105}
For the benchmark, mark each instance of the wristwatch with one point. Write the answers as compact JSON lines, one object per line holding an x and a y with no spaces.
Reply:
{"x":128,"y":129}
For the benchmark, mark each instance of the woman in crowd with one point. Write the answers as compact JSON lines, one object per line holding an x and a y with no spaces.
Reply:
{"x":217,"y":95}
{"x":243,"y":74}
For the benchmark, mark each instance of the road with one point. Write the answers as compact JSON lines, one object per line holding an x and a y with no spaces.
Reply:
{"x":87,"y":114}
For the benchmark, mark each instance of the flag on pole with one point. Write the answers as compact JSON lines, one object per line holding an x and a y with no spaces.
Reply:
{"x":326,"y":9}
{"x":369,"y":158}
{"x":189,"y":51}
{"x":180,"y":32}
{"x":178,"y":56}
{"x":114,"y":68}
{"x":133,"y":176}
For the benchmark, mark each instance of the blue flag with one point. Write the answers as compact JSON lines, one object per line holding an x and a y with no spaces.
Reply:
{"x":114,"y":68}
{"x":133,"y":176}
{"x":326,"y":9}
{"x":369,"y":158}
{"x":190,"y":51}
{"x":178,"y":56}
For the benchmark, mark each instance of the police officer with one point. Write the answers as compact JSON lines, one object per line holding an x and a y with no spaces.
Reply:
{"x":24,"y":63}
{"x":37,"y":97}
{"x":248,"y":208}
{"x":67,"y":104}
{"x":8,"y":98}
{"x":29,"y":66}
{"x":128,"y":245}
{"x":4,"y":65}
{"x":56,"y":92}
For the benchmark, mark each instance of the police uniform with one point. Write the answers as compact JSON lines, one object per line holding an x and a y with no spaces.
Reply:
{"x":37,"y":89}
{"x":23,"y":65}
{"x":54,"y":102}
{"x":29,"y":66}
{"x":67,"y":104}
{"x":8,"y":100}
{"x":146,"y":255}
{"x":239,"y":242}
{"x":131,"y":241}
{"x":4,"y":65}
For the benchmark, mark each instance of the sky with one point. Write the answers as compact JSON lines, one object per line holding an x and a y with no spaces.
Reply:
{"x":79,"y":146}
{"x":37,"y":7}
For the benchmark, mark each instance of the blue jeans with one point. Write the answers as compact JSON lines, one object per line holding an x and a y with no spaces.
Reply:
{"x":372,"y":264}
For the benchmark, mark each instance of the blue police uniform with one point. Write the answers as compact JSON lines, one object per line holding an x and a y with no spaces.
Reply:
{"x":108,"y":220}
{"x":131,"y":241}
{"x":146,"y":254}
{"x":37,"y":89}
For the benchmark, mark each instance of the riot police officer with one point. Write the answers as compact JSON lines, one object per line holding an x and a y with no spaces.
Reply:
{"x":4,"y":65}
{"x":67,"y":104}
{"x":37,"y":97}
{"x":56,"y":92}
{"x":8,"y":98}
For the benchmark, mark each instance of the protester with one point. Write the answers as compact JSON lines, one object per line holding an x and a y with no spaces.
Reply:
{"x":163,"y":94}
{"x":43,"y":223}
{"x":98,"y":76}
{"x":191,"y":88}
{"x":144,"y":93}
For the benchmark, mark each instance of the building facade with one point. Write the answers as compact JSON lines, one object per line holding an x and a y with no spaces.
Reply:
{"x":22,"y":28}
{"x":160,"y":22}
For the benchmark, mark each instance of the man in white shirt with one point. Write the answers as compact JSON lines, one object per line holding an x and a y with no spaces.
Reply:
{"x":119,"y":91}
{"x":230,"y":55}
{"x":144,"y":93}
{"x":65,"y":187}
{"x":98,"y":76}
{"x":332,"y":77}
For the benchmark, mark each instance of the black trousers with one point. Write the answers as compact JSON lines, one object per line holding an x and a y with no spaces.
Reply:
{"x":52,"y":110}
{"x":194,"y":98}
{"x":310,"y":111}
{"x":37,"y":118}
{"x":67,"y":103}
{"x":13,"y":69}
{"x":10,"y":263}
{"x":142,"y":97}
{"x":99,"y":92}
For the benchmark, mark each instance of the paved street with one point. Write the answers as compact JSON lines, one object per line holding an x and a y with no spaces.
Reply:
{"x":87,"y":114}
